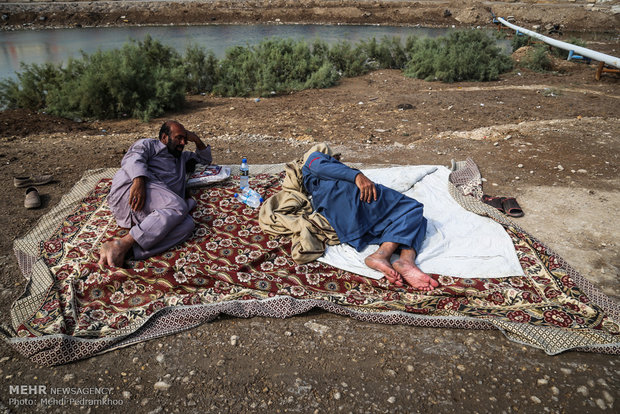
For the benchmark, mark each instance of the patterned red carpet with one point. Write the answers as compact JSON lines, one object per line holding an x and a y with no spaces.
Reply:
{"x":230,"y":266}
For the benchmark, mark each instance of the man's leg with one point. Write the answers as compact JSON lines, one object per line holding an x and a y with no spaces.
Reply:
{"x":177,"y":235}
{"x":380,"y":260}
{"x":163,"y":222}
{"x":412,"y":274}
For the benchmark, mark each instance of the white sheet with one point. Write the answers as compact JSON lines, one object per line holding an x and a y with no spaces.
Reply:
{"x":458,"y":243}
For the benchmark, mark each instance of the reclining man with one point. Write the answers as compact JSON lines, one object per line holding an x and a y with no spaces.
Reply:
{"x":362,"y":213}
{"x":148,"y":195}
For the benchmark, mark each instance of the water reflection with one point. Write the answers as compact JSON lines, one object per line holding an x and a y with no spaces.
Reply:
{"x":39,"y":46}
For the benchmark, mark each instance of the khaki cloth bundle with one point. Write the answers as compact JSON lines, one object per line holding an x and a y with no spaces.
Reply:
{"x":289,"y":213}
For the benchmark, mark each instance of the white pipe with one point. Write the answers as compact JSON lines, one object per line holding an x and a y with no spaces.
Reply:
{"x":592,"y":54}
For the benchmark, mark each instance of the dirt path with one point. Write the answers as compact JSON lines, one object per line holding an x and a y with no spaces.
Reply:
{"x":551,"y":140}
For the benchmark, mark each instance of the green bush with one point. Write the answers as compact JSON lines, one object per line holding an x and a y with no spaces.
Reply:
{"x":325,"y":77}
{"x":518,"y":41}
{"x":460,"y":56}
{"x":348,"y":60}
{"x":236,"y":75}
{"x":537,"y":59}
{"x":386,"y":54}
{"x":145,"y":79}
{"x":200,"y":69}
{"x":142,"y":80}
{"x":32,"y":86}
{"x":275,"y":66}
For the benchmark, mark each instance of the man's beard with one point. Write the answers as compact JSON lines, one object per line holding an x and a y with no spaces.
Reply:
{"x":172,"y":149}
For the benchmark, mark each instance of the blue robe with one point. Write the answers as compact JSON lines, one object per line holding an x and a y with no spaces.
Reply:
{"x":393,"y":217}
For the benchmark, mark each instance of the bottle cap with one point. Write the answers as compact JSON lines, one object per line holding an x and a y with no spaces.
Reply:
{"x":236,"y":195}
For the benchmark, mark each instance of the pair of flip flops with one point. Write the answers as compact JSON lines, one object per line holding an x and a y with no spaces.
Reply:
{"x":507,"y":205}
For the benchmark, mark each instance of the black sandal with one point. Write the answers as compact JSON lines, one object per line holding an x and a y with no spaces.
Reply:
{"x":511,"y":207}
{"x":495,"y":202}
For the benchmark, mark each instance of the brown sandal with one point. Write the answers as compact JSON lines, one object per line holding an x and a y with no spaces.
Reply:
{"x":511,"y":207}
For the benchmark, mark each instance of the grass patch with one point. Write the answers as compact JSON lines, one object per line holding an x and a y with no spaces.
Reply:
{"x":145,"y":79}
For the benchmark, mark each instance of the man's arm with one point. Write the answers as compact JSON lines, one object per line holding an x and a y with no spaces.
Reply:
{"x":326,"y":167}
{"x":135,"y":164}
{"x":203,"y":152}
{"x":137,"y":193}
{"x":192,"y":137}
{"x":135,"y":161}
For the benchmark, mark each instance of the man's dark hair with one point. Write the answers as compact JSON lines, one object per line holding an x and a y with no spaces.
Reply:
{"x":165,"y":129}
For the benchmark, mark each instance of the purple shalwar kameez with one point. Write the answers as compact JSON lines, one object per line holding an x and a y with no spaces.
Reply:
{"x":164,"y":221}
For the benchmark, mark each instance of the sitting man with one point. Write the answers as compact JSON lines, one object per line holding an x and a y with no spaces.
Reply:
{"x":364,"y":213}
{"x":148,"y":195}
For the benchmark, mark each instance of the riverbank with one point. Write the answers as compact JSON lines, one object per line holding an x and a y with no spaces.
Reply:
{"x":574,"y":16}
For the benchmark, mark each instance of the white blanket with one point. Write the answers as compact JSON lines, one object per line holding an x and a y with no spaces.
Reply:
{"x":458,"y":243}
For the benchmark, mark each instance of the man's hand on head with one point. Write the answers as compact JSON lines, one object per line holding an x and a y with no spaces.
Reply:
{"x":137,"y":194}
{"x":192,"y":137}
{"x":368,"y":191}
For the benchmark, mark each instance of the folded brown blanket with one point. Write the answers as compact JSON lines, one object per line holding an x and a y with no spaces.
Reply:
{"x":289,"y":213}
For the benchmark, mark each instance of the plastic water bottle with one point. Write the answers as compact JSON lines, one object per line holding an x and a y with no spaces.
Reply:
{"x":244,"y":175}
{"x":249,"y":197}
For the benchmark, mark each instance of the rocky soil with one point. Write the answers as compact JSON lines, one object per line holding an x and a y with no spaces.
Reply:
{"x":552,"y":140}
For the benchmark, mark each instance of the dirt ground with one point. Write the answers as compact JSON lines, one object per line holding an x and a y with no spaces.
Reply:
{"x":552,"y":140}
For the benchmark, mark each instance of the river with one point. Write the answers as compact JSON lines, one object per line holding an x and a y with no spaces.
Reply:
{"x":57,"y":45}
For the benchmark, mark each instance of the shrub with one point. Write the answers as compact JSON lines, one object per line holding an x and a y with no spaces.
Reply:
{"x":347,"y":60}
{"x":145,"y":79}
{"x":142,"y":80}
{"x":325,"y":77}
{"x":461,"y":56}
{"x":275,"y":66}
{"x":200,"y":69}
{"x":32,"y":86}
{"x":537,"y":59}
{"x":236,"y":74}
{"x":518,"y":41}
{"x":386,"y":54}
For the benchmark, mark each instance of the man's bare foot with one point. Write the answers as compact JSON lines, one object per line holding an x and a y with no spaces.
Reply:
{"x":378,"y":262}
{"x":414,"y":276}
{"x":113,"y":252}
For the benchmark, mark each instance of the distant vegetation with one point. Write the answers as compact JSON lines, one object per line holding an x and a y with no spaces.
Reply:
{"x":538,"y":58}
{"x":145,"y":79}
{"x":460,"y":56}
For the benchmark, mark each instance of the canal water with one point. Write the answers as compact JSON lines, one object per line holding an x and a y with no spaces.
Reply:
{"x":57,"y":45}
